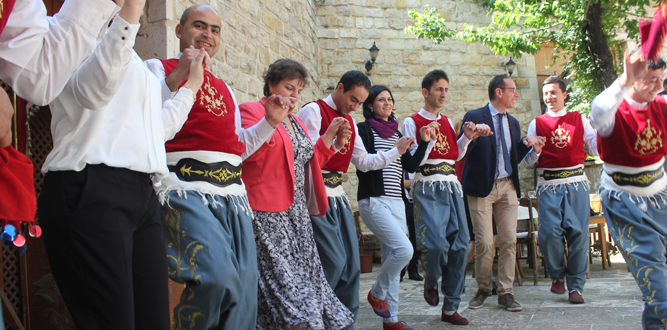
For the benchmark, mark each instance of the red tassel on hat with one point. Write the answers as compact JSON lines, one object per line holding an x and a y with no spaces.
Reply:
{"x":653,"y":33}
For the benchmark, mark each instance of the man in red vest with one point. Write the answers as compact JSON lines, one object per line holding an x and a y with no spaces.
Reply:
{"x":562,"y":189}
{"x":335,"y":233}
{"x":440,"y":222}
{"x":207,"y":219}
{"x":630,"y":119}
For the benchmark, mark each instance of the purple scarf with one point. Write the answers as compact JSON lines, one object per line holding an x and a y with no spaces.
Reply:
{"x":385,"y":129}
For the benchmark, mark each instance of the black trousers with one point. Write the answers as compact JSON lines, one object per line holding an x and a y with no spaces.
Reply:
{"x":103,"y":239}
{"x":410,"y":220}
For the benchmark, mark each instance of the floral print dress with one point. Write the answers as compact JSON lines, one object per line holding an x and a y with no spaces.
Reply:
{"x":292,"y":286}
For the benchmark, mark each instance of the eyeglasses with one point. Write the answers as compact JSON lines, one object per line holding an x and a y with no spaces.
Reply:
{"x":513,"y":89}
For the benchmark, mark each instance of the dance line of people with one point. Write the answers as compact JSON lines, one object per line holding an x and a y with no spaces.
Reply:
{"x":157,"y":172}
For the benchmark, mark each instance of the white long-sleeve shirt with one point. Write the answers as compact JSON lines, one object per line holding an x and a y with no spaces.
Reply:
{"x":111,"y":111}
{"x":253,"y":137}
{"x":590,"y":135}
{"x":38,"y":54}
{"x":312,"y":119}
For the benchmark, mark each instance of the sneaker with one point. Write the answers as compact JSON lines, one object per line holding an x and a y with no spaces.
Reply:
{"x":396,"y":326}
{"x":478,"y":300}
{"x":431,"y":295}
{"x":575,"y":297}
{"x":557,"y":286}
{"x":455,"y":318}
{"x":379,"y":306}
{"x":507,"y":301}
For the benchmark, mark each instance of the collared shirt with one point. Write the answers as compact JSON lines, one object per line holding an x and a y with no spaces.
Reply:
{"x":531,"y":156}
{"x":38,"y":53}
{"x":409,"y":129}
{"x":253,"y":137}
{"x":312,"y":119}
{"x":111,"y":111}
{"x":590,"y":135}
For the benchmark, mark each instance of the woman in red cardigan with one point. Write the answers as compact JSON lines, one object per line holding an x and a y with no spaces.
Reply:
{"x":285,"y":187}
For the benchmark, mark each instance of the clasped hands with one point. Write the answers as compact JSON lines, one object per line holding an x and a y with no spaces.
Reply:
{"x":537,"y":142}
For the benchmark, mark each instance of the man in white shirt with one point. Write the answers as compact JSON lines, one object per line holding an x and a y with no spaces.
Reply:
{"x":562,"y":189}
{"x":38,"y":53}
{"x":335,"y":232}
{"x":632,"y":127}
{"x":207,"y":219}
{"x":442,"y":229}
{"x":98,"y":209}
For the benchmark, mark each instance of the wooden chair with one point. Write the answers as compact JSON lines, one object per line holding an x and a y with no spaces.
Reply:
{"x":362,"y":236}
{"x":597,"y":228}
{"x":527,"y":235}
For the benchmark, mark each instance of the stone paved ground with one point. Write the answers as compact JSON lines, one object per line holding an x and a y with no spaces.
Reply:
{"x":613,"y":301}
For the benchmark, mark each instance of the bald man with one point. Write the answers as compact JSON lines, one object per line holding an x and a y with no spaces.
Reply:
{"x":207,"y":218}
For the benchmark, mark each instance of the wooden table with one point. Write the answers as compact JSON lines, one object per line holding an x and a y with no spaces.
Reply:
{"x":601,"y":223}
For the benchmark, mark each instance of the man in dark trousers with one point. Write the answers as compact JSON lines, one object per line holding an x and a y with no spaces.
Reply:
{"x":491,"y":183}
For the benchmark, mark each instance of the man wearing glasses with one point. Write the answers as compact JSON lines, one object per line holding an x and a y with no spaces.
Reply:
{"x":491,"y":182}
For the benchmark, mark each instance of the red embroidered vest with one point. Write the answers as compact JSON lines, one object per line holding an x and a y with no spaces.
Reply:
{"x":445,"y":147}
{"x":211,"y":125}
{"x":639,"y":136}
{"x":341,"y":160}
{"x":6,"y":7}
{"x":565,"y":140}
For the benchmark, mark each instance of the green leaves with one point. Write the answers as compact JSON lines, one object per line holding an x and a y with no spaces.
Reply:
{"x":522,"y":26}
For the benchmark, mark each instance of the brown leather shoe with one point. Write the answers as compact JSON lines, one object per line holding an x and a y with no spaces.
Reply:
{"x":431,"y":295}
{"x":455,"y":318}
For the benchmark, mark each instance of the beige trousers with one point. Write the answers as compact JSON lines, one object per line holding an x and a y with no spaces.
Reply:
{"x":502,"y":203}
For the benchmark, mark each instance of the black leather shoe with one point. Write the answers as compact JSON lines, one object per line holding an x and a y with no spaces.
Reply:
{"x":415,"y":276}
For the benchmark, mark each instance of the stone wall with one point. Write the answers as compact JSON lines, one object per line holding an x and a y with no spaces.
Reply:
{"x":254,"y":33}
{"x":347,"y":28}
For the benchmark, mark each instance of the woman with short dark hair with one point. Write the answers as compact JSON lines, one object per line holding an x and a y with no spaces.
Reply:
{"x":381,"y":203}
{"x":285,"y":187}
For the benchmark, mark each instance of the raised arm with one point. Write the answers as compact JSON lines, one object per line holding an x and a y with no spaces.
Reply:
{"x":96,"y":82}
{"x":38,"y":53}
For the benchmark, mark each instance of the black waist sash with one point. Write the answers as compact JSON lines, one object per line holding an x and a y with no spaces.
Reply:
{"x":220,"y":174}
{"x":443,"y":168}
{"x":332,"y":179}
{"x":643,"y":179}
{"x":561,"y":174}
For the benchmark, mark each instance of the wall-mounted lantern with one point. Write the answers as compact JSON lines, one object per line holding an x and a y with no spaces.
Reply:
{"x":374,"y":50}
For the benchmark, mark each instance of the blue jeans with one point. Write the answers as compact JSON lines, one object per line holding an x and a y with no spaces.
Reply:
{"x":638,"y":226}
{"x":563,"y":217}
{"x":385,"y":217}
{"x":442,"y":231}
{"x":211,"y":249}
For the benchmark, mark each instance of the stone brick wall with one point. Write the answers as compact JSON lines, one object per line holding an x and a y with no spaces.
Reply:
{"x":347,"y":28}
{"x":254,"y":33}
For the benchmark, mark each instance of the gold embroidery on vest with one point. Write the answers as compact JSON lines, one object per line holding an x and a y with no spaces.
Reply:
{"x":442,"y":168}
{"x":560,"y":137}
{"x":441,"y":144}
{"x":213,"y":99}
{"x":346,"y":147}
{"x":2,"y":8}
{"x":649,"y":140}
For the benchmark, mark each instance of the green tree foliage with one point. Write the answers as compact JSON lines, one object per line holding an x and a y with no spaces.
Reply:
{"x":585,"y":34}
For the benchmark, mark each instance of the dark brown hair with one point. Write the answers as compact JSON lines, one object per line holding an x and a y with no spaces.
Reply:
{"x":282,"y":69}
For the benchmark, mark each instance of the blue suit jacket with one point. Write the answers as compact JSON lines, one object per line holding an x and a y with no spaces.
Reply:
{"x":479,"y":169}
